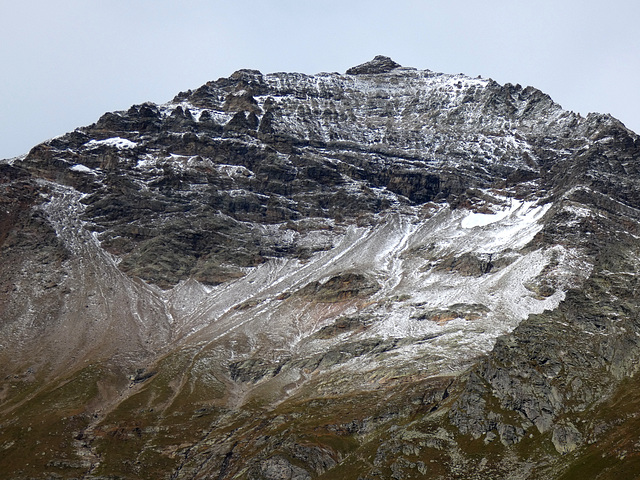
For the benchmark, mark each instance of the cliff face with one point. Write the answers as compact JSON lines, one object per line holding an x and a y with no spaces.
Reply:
{"x":389,"y":273}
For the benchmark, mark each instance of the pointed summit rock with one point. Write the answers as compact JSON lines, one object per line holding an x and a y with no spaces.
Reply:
{"x":380,"y":64}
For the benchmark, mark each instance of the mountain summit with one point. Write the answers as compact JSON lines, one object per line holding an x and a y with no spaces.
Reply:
{"x":380,"y":64}
{"x":388,"y":273}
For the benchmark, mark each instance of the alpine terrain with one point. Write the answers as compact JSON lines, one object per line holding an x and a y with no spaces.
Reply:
{"x":385,"y":274}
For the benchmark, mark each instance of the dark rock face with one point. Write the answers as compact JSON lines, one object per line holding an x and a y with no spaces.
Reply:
{"x":251,"y":148}
{"x":339,"y":288}
{"x":380,"y":64}
{"x":391,"y":273}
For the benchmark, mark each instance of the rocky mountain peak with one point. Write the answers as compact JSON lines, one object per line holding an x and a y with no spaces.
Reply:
{"x":379,"y":64}
{"x":357,"y":275}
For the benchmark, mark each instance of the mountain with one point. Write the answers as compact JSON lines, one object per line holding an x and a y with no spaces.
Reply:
{"x":387,"y":273}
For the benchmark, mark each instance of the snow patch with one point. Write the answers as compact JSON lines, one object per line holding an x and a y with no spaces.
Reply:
{"x":117,"y":142}
{"x":82,"y":169}
{"x":234,"y":170}
{"x":511,"y":227}
{"x":482,"y":219}
{"x":578,"y":211}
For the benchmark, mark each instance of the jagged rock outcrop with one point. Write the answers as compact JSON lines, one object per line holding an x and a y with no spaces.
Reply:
{"x":380,"y":64}
{"x":390,"y":273}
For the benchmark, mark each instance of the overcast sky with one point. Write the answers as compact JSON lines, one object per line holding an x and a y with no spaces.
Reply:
{"x":64,"y":63}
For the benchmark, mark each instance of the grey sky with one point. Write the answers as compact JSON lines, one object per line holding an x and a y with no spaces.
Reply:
{"x":65,"y":62}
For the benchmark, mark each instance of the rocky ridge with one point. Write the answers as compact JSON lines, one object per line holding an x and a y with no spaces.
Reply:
{"x":389,"y":273}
